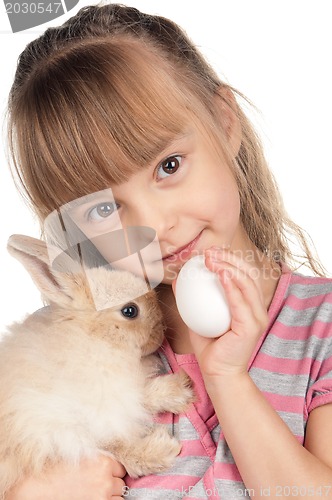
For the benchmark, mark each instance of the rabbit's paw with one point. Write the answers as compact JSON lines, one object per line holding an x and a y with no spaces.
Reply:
{"x":153,"y":453}
{"x":182,"y":392}
{"x":173,"y":392}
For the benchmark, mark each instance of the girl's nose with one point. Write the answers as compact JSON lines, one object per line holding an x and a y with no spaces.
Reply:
{"x":157,"y":215}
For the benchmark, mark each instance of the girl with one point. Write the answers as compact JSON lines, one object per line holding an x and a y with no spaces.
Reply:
{"x":119,"y":100}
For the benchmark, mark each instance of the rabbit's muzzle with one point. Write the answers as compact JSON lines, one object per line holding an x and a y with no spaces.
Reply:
{"x":155,"y":339}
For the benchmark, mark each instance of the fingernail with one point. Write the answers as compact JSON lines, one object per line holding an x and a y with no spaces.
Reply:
{"x":227,"y":276}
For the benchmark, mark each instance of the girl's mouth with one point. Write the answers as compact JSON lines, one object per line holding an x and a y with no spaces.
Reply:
{"x":182,"y":254}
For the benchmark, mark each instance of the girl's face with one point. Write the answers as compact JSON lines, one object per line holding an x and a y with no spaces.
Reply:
{"x":187,"y":195}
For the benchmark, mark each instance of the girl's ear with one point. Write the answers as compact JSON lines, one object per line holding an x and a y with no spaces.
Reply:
{"x":227,"y":107}
{"x":55,"y":286}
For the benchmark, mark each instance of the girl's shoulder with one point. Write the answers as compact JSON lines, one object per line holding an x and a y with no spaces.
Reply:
{"x":305,"y":302}
{"x":310,"y":292}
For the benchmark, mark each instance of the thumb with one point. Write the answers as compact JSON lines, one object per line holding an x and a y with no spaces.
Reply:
{"x":199,"y":343}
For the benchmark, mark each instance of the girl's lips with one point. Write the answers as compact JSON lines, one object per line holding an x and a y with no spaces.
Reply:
{"x":184,"y":252}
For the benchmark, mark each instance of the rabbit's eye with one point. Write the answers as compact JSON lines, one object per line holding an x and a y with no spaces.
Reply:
{"x":130,"y":311}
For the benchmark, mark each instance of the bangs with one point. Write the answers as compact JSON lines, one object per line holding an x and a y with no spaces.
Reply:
{"x":94,"y":115}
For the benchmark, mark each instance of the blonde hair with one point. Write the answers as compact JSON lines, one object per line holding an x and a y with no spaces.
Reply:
{"x":100,"y":96}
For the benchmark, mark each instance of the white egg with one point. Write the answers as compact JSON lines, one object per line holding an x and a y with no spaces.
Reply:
{"x":201,"y":299}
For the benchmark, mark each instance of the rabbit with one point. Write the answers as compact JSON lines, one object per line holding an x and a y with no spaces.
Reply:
{"x":76,"y":380}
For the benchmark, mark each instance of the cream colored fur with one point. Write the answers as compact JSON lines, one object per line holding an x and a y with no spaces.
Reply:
{"x":75,"y":381}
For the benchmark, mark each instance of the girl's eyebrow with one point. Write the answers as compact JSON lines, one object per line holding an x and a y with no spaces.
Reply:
{"x":174,"y":143}
{"x":96,"y":196}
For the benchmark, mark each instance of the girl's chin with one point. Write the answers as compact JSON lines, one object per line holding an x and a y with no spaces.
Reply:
{"x":171,"y":271}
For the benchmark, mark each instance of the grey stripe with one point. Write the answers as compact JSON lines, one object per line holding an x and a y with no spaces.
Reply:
{"x":280,"y":383}
{"x":312,"y":290}
{"x":284,"y":384}
{"x":313,"y":347}
{"x":184,"y":430}
{"x":189,"y":466}
{"x":153,"y":494}
{"x":294,"y":421}
{"x":167,"y":366}
{"x":223,"y":454}
{"x":327,"y":376}
{"x":215,"y":434}
{"x":291,"y":317}
{"x":232,"y":490}
{"x":197,"y":491}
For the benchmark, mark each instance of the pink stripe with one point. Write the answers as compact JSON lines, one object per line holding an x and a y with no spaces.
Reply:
{"x":299,"y":304}
{"x":164,"y":418}
{"x":289,"y":404}
{"x":323,"y":399}
{"x":306,"y":280}
{"x":192,"y":448}
{"x":167,"y":482}
{"x":285,"y":365}
{"x":282,"y":331}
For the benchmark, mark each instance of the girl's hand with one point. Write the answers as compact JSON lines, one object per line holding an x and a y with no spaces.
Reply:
{"x":230,"y":353}
{"x":93,"y":479}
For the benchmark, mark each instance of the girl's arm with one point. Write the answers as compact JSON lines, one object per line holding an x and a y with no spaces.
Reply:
{"x":94,"y":479}
{"x":269,"y":458}
{"x":318,"y":438}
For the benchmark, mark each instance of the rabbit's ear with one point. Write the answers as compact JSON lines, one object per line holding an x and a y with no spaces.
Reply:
{"x":33,"y":254}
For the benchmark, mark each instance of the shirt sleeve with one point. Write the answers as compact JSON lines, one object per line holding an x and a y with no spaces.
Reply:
{"x":320,"y":390}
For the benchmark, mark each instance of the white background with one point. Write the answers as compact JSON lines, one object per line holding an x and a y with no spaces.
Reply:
{"x":278,"y":53}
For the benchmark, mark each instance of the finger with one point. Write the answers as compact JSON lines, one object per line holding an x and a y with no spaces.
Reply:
{"x":221,"y":255}
{"x":237,"y":302}
{"x":198,"y":342}
{"x":247,"y":314}
{"x":244,"y":301}
{"x":200,"y":345}
{"x":249,"y":287}
{"x":118,"y":470}
{"x":118,"y":486}
{"x":232,"y":257}
{"x":108,"y":462}
{"x":244,"y":283}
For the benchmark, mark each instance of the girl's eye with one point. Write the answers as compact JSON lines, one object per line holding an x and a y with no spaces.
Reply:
{"x":169,"y":166}
{"x":102,"y":210}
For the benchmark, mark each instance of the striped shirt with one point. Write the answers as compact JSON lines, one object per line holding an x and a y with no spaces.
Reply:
{"x":292,"y":366}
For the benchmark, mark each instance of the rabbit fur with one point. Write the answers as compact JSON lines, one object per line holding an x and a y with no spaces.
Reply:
{"x":76,"y":381}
